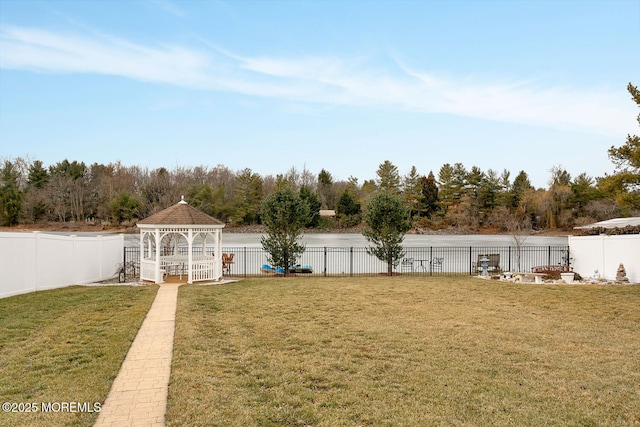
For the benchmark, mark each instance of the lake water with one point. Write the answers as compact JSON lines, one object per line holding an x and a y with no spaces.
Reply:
{"x":339,"y":240}
{"x":348,"y":240}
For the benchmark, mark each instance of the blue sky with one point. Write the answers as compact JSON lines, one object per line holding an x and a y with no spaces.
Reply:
{"x":339,"y":85}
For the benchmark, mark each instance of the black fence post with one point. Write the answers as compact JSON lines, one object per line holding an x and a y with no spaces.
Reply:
{"x":325,"y":261}
{"x":351,"y":261}
{"x":430,"y":261}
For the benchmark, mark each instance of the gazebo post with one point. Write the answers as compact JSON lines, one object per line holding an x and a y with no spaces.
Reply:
{"x":190,"y":256}
{"x":158,"y":264}
{"x":218,"y":248}
{"x":142,"y":236}
{"x":204,"y":244}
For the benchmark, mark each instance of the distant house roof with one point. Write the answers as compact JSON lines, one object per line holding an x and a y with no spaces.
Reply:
{"x":327,"y":212}
{"x":613,"y":223}
{"x":180,"y":214}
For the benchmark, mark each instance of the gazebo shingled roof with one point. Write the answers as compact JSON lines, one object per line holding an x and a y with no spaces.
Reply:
{"x":183,"y":214}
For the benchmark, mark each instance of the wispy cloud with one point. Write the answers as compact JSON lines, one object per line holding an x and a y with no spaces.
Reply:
{"x":316,"y":79}
{"x":44,"y":51}
{"x":170,"y":7}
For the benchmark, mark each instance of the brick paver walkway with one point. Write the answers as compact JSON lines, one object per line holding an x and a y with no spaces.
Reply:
{"x":138,"y":396}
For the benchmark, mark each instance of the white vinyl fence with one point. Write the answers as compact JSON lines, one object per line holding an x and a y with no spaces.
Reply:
{"x":37,"y":261}
{"x":604,"y":254}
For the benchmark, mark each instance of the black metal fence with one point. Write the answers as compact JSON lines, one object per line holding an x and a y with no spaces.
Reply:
{"x":356,"y":261}
{"x":131,"y":262}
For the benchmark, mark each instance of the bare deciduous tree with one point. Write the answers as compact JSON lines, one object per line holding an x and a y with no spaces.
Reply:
{"x":520,"y":228}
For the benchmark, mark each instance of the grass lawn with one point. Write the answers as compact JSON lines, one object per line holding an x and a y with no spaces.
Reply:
{"x":404,"y":351}
{"x":66,"y":345}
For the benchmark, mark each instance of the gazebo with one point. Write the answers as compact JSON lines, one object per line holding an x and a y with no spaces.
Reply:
{"x":181,"y":241}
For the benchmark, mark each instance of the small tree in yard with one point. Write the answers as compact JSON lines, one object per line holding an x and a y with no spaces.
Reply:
{"x":520,"y":228}
{"x":284,"y":214}
{"x":386,"y":224}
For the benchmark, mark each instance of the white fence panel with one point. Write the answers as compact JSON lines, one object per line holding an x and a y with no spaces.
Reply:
{"x":111,"y":255}
{"x":604,"y":254}
{"x":17,"y":264}
{"x":54,"y":261}
{"x":38,"y":261}
{"x":87,"y":254}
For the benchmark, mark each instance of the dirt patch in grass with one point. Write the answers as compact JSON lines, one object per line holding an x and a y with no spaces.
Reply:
{"x":389,"y":351}
{"x":63,"y":346}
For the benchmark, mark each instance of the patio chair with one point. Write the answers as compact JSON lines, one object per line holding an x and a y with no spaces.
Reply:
{"x":406,"y":264}
{"x":227,"y":260}
{"x":436,"y":263}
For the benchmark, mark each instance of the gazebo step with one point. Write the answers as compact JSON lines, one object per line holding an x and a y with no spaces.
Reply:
{"x":175,"y":279}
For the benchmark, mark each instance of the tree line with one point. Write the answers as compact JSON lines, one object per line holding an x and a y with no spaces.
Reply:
{"x":455,"y":196}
